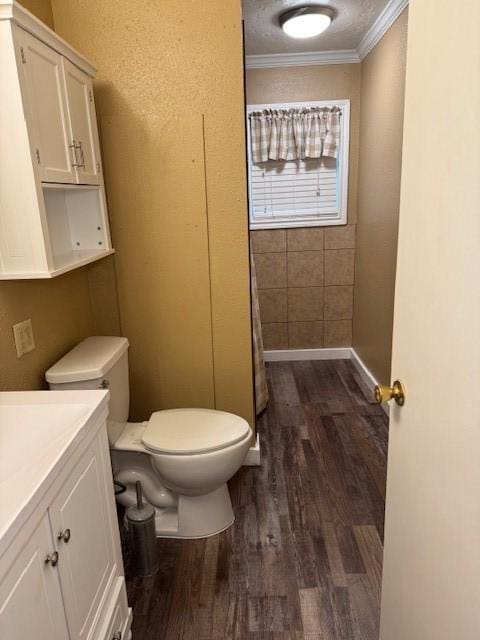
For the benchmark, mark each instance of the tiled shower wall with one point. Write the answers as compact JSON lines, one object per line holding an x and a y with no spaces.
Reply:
{"x":306,"y":276}
{"x":305,"y":285}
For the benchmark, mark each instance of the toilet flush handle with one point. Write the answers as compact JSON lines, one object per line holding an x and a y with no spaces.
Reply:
{"x":104,"y":384}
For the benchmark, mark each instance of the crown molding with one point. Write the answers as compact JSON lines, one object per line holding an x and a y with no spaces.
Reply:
{"x":381,"y":25}
{"x":341,"y":56}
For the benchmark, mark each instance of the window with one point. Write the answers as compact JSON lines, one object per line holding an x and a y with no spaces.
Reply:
{"x":300,"y":193}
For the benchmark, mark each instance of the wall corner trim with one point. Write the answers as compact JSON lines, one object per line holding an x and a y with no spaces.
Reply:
{"x":381,"y":25}
{"x":252,"y":459}
{"x":341,"y":56}
{"x":367,"y":375}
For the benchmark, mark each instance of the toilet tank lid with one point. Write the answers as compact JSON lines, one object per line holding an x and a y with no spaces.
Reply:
{"x":90,"y":359}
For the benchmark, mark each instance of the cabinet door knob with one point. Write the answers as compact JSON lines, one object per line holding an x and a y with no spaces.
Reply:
{"x":52,"y":559}
{"x":64,"y":535}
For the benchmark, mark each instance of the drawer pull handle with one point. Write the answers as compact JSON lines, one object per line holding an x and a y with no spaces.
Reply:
{"x":74,"y":146}
{"x":64,"y":535}
{"x":52,"y":559}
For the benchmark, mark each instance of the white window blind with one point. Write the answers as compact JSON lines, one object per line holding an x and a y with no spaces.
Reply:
{"x":310,"y":192}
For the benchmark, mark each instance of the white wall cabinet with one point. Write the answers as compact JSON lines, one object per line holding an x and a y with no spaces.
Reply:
{"x":46,"y":108}
{"x":49,"y":140}
{"x":65,"y":581}
{"x":60,"y":109}
{"x":83,"y":124}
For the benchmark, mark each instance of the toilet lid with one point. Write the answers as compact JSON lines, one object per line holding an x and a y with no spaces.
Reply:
{"x":190,"y":431}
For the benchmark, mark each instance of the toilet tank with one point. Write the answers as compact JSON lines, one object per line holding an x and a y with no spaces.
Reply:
{"x":98,"y":362}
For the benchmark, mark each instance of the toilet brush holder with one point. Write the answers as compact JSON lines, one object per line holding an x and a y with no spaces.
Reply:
{"x":143,"y":543}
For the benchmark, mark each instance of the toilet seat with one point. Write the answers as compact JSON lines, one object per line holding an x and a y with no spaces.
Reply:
{"x":191,"y":431}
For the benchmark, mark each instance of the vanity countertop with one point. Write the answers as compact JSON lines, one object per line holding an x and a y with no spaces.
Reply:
{"x":38,"y":432}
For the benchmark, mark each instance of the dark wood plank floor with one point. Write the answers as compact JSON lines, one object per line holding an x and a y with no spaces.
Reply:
{"x":304,"y":557}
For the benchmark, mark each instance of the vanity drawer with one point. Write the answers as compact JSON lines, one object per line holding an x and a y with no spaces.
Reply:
{"x":116,"y":625}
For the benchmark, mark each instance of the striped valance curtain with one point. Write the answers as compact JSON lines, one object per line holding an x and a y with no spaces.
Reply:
{"x":294,"y":134}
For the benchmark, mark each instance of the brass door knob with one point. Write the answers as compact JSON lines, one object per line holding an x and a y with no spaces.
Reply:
{"x":395,"y":392}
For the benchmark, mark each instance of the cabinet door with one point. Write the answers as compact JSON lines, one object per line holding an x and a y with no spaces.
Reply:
{"x":81,"y":108}
{"x":30,"y":598}
{"x":81,"y":525}
{"x":48,"y":124}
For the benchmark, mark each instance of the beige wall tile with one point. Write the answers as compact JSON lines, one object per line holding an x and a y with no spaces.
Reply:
{"x":273,"y":305}
{"x":339,"y":266}
{"x":305,"y":335}
{"x":269,"y":240}
{"x":338,"y":333}
{"x":305,"y":239}
{"x":340,"y":237}
{"x":305,"y":268}
{"x":305,"y":303}
{"x":338,"y":303}
{"x":271,"y":270}
{"x":275,"y":335}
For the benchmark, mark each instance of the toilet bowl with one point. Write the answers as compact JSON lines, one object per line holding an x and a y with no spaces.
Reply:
{"x":182,"y":457}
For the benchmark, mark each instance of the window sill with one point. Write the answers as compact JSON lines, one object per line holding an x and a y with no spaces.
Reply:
{"x":297,"y":223}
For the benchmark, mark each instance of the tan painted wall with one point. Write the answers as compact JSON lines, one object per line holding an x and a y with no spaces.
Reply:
{"x":40,"y":8}
{"x":381,"y":130}
{"x":60,"y":309}
{"x":61,"y":316}
{"x":305,"y":276}
{"x":176,"y":190}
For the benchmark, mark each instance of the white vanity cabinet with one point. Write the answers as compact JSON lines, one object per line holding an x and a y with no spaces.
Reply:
{"x":30,"y":597}
{"x":53,"y":214}
{"x":61,"y":576}
{"x":79,"y":517}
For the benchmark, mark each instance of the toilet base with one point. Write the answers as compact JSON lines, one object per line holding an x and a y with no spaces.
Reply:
{"x":176,"y":515}
{"x":196,"y":516}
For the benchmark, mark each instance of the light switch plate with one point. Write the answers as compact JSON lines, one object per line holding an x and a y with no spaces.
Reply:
{"x":23,"y":336}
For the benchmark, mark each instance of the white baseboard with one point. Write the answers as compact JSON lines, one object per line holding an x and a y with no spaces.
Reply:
{"x":343,"y":353}
{"x":307,"y":354}
{"x":367,"y":375}
{"x":252,"y":459}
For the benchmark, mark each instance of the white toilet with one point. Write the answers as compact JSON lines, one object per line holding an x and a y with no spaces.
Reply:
{"x":183,"y":457}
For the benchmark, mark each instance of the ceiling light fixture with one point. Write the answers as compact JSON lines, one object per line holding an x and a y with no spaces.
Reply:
{"x":306,"y":22}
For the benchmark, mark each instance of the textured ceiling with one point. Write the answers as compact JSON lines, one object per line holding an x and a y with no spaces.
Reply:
{"x":263,"y":34}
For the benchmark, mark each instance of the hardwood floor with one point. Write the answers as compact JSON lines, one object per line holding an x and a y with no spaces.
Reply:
{"x":303,"y":560}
